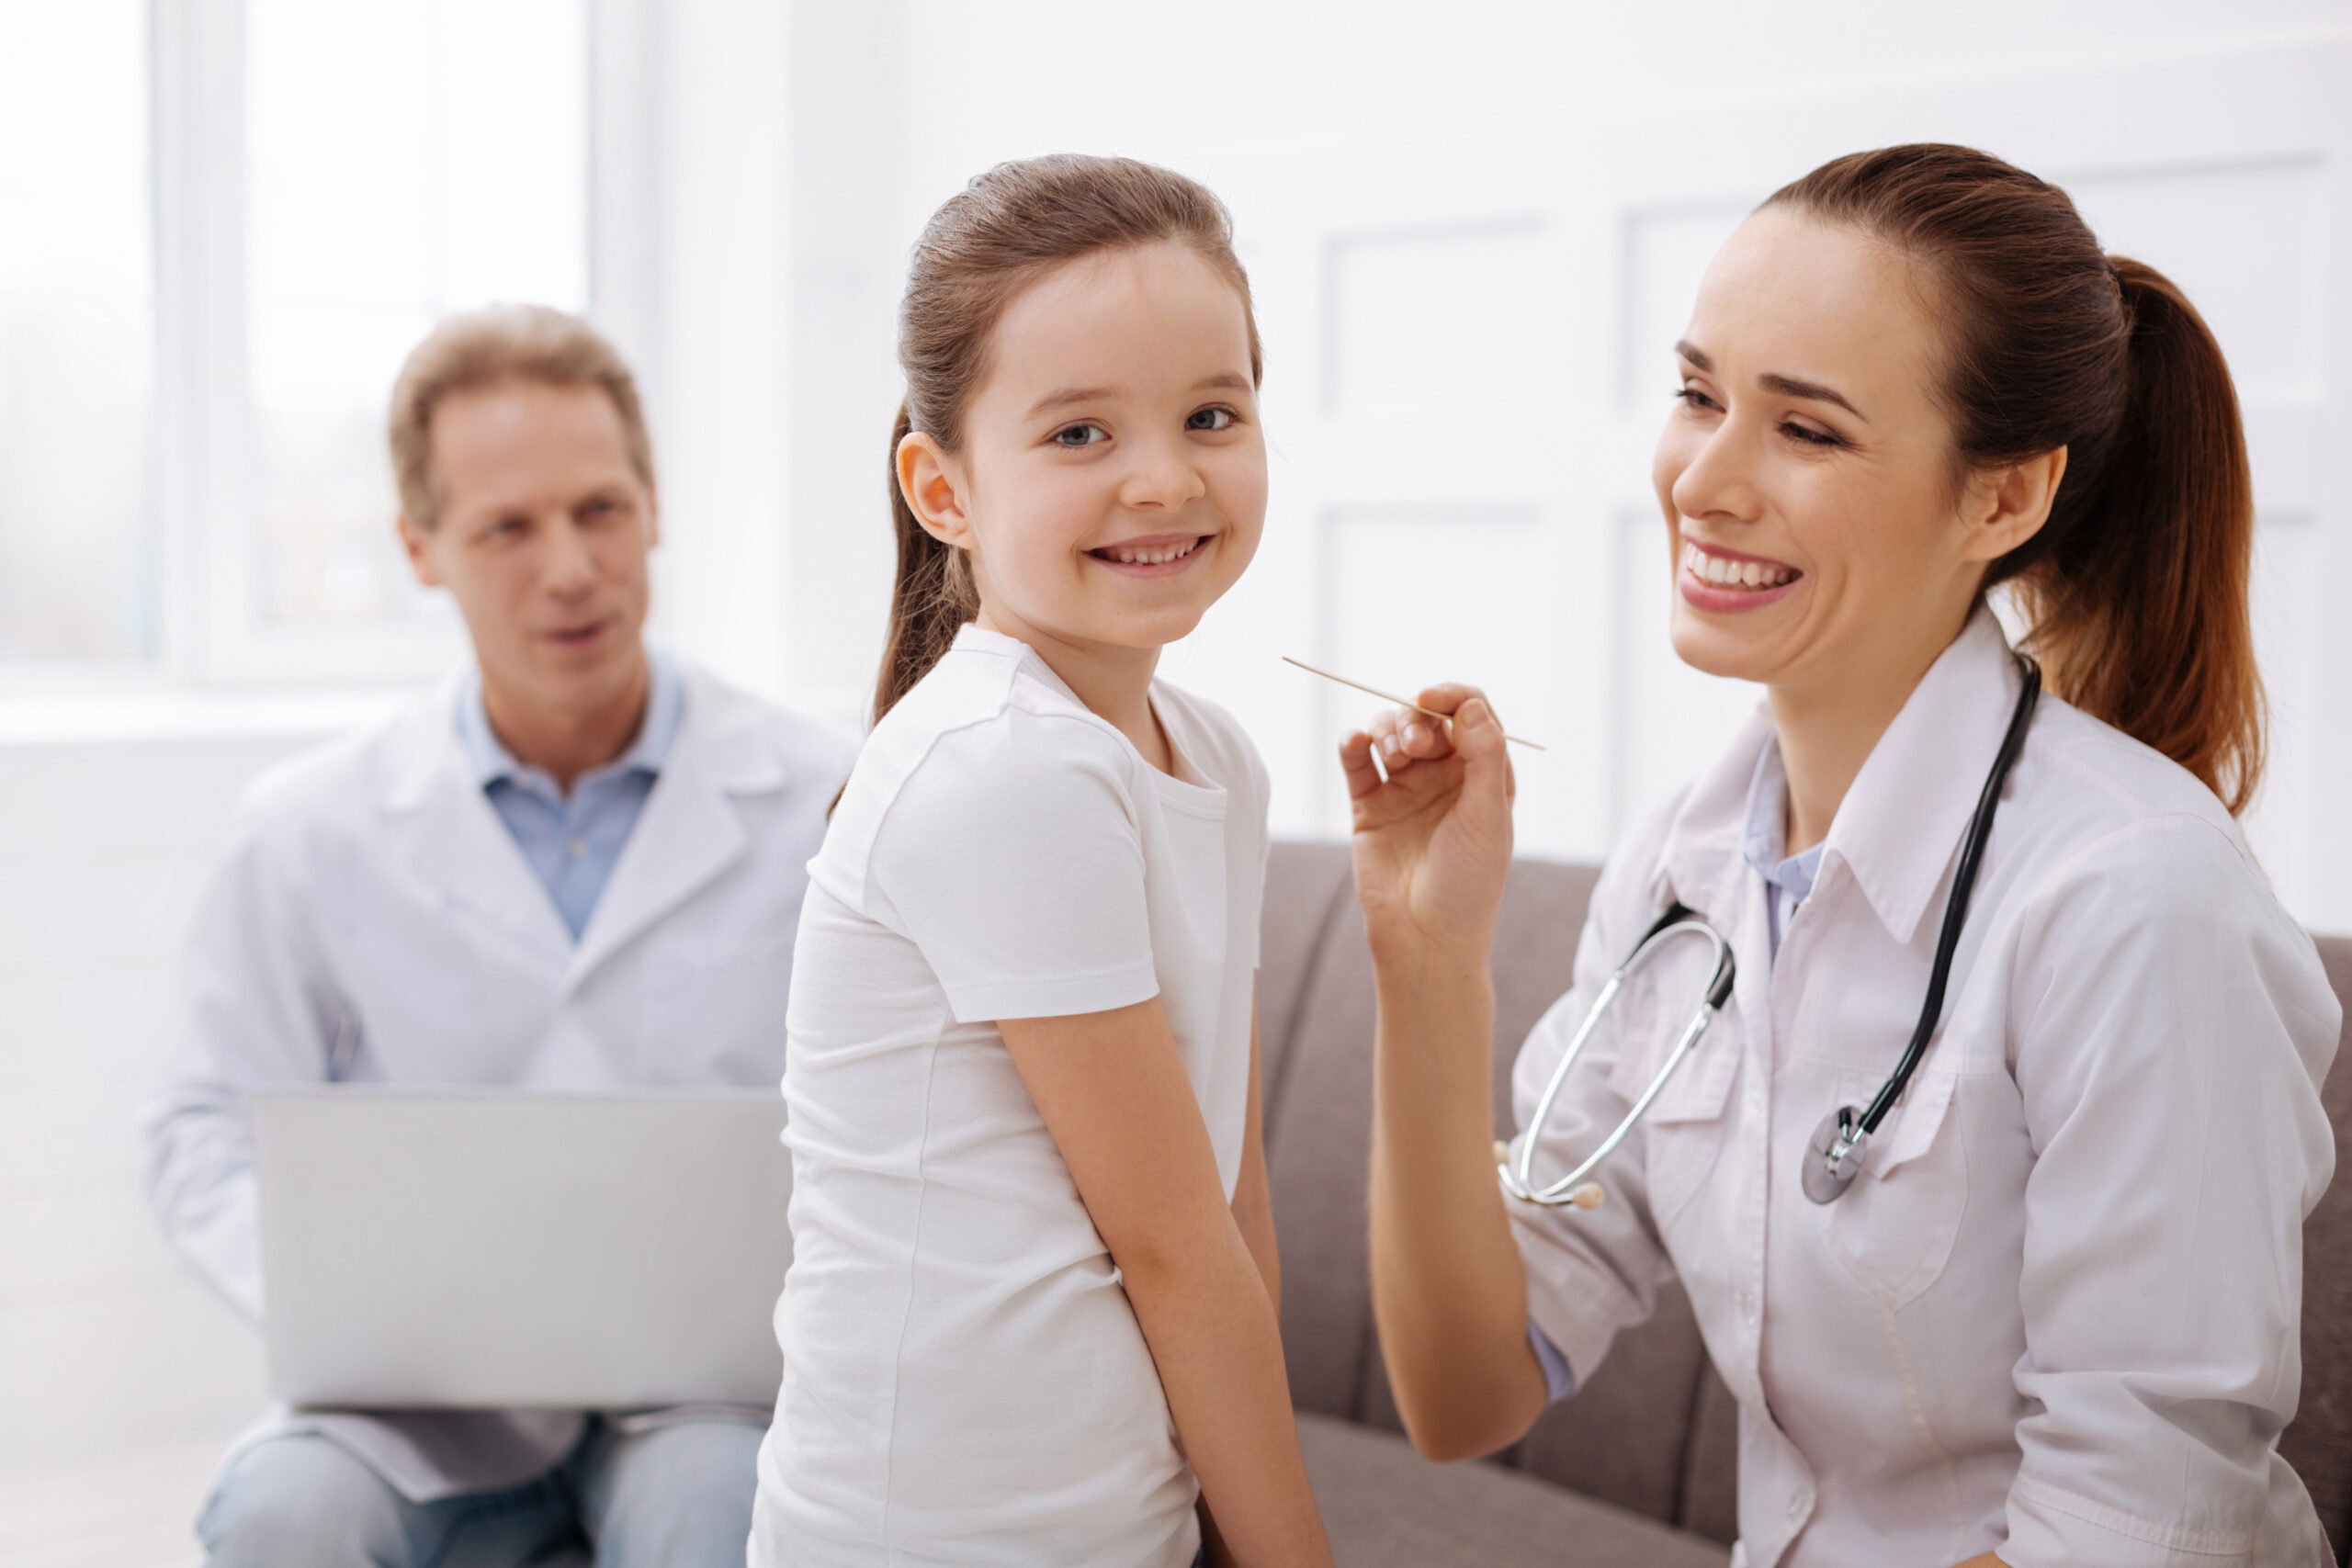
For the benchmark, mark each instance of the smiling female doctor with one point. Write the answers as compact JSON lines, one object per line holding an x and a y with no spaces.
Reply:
{"x":2053,"y":1319}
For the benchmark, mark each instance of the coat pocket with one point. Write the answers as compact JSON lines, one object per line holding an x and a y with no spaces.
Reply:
{"x":1894,"y":1230}
{"x":1651,"y":1022}
{"x":1683,"y":1133}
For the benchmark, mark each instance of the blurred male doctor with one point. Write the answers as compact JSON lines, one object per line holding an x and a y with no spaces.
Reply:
{"x":579,"y":866}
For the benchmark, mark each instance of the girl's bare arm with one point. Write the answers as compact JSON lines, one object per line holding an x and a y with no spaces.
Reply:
{"x":1115,"y":1095}
{"x":1253,"y":1203}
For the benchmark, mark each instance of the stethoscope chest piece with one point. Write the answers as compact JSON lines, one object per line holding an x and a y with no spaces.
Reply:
{"x":1833,"y":1157}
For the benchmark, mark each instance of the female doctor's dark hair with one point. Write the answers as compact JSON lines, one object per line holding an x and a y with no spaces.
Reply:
{"x":2136,"y":587}
{"x":1000,"y":233}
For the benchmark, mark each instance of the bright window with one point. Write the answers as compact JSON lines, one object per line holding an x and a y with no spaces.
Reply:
{"x":78,"y":557}
{"x":223,"y":223}
{"x":404,"y":160}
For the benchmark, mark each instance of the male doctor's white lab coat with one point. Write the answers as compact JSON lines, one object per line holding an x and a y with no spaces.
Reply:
{"x":374,"y":922}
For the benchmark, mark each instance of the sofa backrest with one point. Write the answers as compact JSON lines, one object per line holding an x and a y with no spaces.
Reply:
{"x":1653,"y":1430}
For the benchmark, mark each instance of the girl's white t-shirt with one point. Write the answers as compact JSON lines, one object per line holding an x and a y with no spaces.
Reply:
{"x":964,"y":1381}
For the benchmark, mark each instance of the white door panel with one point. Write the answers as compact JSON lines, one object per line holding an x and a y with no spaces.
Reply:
{"x":1470,"y":353}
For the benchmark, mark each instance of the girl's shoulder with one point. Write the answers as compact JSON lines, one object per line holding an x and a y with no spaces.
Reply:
{"x":1210,"y":739}
{"x":986,"y":739}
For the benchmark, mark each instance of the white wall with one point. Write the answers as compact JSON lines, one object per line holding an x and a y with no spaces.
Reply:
{"x":1571,"y":165}
{"x":120,"y":1375}
{"x":1473,"y":233}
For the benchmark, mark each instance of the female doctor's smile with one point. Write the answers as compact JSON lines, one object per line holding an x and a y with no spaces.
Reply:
{"x":2001,"y":903}
{"x":1807,"y":439}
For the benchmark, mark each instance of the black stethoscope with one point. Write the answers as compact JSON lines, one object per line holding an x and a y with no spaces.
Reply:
{"x":1833,"y":1157}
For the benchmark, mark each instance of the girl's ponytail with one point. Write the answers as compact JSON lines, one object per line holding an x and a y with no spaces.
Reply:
{"x":932,"y":598}
{"x":2141,"y":607}
{"x":2136,"y":587}
{"x":991,"y":239}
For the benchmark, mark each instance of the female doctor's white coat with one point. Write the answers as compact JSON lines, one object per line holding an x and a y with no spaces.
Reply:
{"x":2056,"y":1314}
{"x":373,"y":920}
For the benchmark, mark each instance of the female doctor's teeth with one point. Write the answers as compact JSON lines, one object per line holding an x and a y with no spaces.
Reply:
{"x":1719,"y":572}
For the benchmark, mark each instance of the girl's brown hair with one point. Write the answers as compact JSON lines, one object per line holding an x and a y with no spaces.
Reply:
{"x":2136,"y":586}
{"x":1003,"y":232}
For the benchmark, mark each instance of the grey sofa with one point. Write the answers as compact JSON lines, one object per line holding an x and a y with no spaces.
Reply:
{"x":1638,"y":1468}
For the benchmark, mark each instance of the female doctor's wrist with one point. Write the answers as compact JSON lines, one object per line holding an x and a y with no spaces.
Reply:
{"x":1413,"y":978}
{"x":1439,"y":952}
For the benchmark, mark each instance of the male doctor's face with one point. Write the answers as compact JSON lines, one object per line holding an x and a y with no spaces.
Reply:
{"x":543,"y":538}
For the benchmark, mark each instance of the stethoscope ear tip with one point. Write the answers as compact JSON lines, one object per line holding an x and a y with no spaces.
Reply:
{"x":1590,"y":1195}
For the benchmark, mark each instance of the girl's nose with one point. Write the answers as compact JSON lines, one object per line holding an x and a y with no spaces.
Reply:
{"x":1163,"y":476}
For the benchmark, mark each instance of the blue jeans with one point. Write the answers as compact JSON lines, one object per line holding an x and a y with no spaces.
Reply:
{"x":676,"y":1496}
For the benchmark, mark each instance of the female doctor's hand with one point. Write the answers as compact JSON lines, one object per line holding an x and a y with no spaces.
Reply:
{"x":1433,"y":839}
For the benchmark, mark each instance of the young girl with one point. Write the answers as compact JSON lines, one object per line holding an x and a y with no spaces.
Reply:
{"x":1031,"y":1314}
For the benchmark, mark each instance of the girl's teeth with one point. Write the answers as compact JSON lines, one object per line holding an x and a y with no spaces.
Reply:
{"x":1719,"y":572}
{"x":1153,"y":558}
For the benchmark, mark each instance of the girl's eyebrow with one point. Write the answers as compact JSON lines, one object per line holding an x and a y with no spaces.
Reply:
{"x":1069,"y":395}
{"x":1223,"y":381}
{"x":1772,"y":381}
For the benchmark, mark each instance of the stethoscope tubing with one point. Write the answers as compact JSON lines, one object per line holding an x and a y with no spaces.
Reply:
{"x":1972,"y":856}
{"x":1676,"y":922}
{"x":1840,"y":1143}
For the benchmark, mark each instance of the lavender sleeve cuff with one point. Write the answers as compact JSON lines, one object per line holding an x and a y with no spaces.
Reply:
{"x":1557,"y":1377}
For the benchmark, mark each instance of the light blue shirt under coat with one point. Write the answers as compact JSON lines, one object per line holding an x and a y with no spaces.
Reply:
{"x":1788,"y":879}
{"x":572,"y":841}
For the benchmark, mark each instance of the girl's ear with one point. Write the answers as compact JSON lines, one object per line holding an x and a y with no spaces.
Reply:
{"x":932,"y":483}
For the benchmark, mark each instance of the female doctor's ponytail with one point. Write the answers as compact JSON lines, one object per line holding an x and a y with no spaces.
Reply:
{"x":2136,"y":587}
{"x":1003,"y":232}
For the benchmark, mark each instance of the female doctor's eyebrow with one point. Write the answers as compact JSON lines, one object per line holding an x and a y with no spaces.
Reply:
{"x":1773,"y":382}
{"x":1791,"y":387}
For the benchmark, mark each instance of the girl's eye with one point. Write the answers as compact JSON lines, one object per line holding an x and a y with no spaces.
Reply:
{"x":1209,"y":419}
{"x":1078,"y":435}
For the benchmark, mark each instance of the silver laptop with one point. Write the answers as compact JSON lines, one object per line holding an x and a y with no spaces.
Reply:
{"x":486,"y":1248}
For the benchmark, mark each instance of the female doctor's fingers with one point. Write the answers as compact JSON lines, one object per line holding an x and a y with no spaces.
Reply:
{"x":1398,"y":738}
{"x":1364,"y":777}
{"x":1408,"y":734}
{"x":1422,"y":738}
{"x":1478,"y":737}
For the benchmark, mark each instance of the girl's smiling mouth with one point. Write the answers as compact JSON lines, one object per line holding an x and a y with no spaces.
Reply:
{"x":1155,"y":555}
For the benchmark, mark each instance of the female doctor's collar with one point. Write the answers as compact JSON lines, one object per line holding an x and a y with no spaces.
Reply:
{"x":1901,"y":823}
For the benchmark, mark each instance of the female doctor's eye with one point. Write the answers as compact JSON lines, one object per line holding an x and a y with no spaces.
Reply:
{"x":1808,"y":436}
{"x":1692,"y":397}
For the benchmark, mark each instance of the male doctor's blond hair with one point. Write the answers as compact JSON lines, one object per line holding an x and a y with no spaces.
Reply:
{"x":578,"y":864}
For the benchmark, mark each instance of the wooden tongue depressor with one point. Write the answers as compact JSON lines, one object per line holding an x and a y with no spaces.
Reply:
{"x":1389,"y":697}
